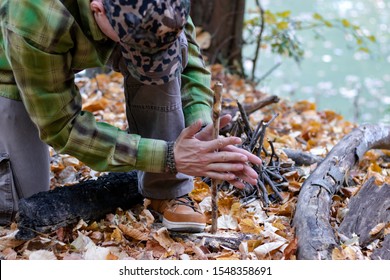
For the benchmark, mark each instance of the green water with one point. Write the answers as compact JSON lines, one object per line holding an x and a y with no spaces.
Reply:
{"x":355,"y":85}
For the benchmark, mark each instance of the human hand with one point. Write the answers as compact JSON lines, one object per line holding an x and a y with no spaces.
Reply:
{"x":206,"y":133}
{"x":195,"y":154}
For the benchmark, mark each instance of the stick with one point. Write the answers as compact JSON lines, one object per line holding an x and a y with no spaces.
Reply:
{"x":214,"y":183}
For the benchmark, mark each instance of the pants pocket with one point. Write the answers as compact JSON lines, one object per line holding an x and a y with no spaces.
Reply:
{"x":8,"y":197}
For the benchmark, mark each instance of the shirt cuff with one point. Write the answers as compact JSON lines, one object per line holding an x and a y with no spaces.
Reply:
{"x":196,"y":112}
{"x":151,"y":156}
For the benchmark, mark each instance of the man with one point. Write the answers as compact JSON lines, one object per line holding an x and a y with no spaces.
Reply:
{"x":44,"y":42}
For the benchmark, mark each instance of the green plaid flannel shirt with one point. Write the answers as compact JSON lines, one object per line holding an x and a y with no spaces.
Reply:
{"x":42,"y":44}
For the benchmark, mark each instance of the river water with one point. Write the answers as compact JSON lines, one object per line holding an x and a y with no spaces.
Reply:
{"x":354,"y":84}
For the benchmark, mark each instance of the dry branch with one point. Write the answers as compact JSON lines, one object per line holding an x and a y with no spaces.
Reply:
{"x":214,"y":183}
{"x":315,"y":235}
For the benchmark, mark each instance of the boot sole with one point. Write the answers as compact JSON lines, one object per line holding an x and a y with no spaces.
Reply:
{"x":184,"y":226}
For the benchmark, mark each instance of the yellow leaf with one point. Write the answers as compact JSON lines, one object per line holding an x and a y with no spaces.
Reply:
{"x":248,"y":226}
{"x":237,"y":211}
{"x":96,"y":105}
{"x":377,"y":229}
{"x":282,"y":25}
{"x":269,"y":17}
{"x":304,"y":105}
{"x":279,"y":224}
{"x":284,"y":14}
{"x":317,"y":16}
{"x":338,"y":254}
{"x":253,"y":244}
{"x":111,"y":256}
{"x":346,"y":23}
{"x":225,"y":205}
{"x":328,"y":23}
{"x":375,"y":167}
{"x":200,"y":191}
{"x":362,"y":49}
{"x":116,"y":235}
{"x":372,"y":38}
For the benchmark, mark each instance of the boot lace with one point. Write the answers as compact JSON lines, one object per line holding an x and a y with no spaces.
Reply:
{"x":186,"y":200}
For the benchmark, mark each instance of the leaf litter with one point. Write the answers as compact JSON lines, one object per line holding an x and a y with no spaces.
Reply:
{"x":247,"y":228}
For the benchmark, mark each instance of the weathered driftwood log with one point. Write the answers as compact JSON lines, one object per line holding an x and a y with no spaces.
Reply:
{"x":89,"y":200}
{"x":315,"y":235}
{"x":367,"y":209}
{"x":384,"y":252}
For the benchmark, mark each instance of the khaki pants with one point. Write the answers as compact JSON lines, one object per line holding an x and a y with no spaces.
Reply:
{"x":156,"y":112}
{"x":24,"y":158}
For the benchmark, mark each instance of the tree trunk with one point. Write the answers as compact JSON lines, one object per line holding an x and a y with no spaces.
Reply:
{"x":224,"y":21}
{"x":316,"y":238}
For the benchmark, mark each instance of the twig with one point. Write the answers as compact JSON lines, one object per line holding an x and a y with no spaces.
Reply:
{"x":245,"y":119}
{"x":214,"y":183}
{"x":251,"y":108}
{"x":259,"y":39}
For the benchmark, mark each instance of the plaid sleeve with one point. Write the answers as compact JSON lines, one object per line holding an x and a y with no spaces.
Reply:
{"x":54,"y":104}
{"x":197,"y":96}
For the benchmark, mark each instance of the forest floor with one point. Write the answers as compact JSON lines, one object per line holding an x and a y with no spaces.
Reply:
{"x":246,"y":229}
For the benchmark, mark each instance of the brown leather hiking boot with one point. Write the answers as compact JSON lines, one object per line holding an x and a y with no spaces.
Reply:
{"x":179,"y":214}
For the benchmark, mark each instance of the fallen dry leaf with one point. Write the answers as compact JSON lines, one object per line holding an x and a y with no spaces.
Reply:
{"x":134,"y":234}
{"x":131,"y":232}
{"x":248,"y":226}
{"x":377,"y":229}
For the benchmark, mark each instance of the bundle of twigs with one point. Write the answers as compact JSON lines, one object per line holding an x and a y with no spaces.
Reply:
{"x":271,"y":180}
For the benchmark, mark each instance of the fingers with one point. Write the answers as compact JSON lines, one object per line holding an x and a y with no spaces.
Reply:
{"x":237,"y":183}
{"x":224,"y":120}
{"x":191,"y":130}
{"x":251,"y":157}
{"x":225,"y":157}
{"x":222,"y":142}
{"x":206,"y":133}
{"x":235,"y":174}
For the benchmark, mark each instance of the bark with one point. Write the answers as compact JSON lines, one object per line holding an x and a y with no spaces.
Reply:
{"x":315,"y":235}
{"x":89,"y":200}
{"x":302,"y":158}
{"x":384,"y":252}
{"x":368,"y":208}
{"x":224,"y":21}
